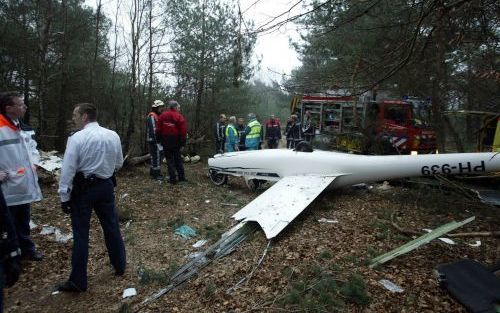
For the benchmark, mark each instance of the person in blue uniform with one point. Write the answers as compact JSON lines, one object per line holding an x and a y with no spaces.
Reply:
{"x":92,"y":156}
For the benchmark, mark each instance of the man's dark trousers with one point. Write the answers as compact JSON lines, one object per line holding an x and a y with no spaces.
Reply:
{"x":21,"y":217}
{"x":2,"y":283}
{"x":156,"y":156}
{"x":99,"y":196}
{"x":174,"y":162}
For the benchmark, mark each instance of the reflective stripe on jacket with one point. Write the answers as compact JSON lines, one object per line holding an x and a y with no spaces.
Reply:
{"x":254,"y":129}
{"x":151,"y":122}
{"x":16,"y":159}
{"x":231,"y":136}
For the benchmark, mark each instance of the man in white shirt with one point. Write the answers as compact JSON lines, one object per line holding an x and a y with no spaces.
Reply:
{"x":87,"y":182}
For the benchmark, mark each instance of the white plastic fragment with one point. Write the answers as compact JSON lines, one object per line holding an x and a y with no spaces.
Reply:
{"x":128,"y":224}
{"x":129,"y":292}
{"x":47,"y":230}
{"x":200,"y":243}
{"x":32,"y":224}
{"x":62,"y":238}
{"x":384,"y":186}
{"x":55,"y":292}
{"x":447,"y":240}
{"x":124,"y":195}
{"x":50,"y":163}
{"x":389,"y":285}
{"x":477,"y":244}
{"x":207,"y":201}
{"x":324,"y":220}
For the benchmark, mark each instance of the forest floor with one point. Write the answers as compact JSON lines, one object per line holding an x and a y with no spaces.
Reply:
{"x":311,"y":267}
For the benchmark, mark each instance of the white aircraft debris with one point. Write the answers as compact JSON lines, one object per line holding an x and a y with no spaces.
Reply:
{"x":302,"y":176}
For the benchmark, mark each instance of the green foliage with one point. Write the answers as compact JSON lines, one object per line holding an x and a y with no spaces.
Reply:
{"x":176,"y":222}
{"x":149,"y":276}
{"x":210,"y":289}
{"x":130,"y":238}
{"x":125,"y":308}
{"x":323,"y":291}
{"x":354,"y":290}
{"x":213,"y":231}
{"x":326,"y":254}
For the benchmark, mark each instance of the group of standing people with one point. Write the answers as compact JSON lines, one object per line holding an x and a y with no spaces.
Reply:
{"x":93,"y":154}
{"x":234,"y":135}
{"x":297,"y":131}
{"x":166,"y":135}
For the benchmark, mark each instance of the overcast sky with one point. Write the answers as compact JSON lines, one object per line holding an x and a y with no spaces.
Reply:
{"x":273,"y":48}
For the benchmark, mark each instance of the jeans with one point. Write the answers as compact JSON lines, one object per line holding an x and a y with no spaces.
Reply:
{"x":2,"y":283}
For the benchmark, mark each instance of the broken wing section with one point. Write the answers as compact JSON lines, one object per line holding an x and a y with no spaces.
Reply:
{"x":279,"y":205}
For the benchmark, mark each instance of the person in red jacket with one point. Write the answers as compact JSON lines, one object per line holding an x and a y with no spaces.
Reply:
{"x":172,"y":130}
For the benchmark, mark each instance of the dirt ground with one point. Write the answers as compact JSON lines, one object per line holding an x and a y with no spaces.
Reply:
{"x":311,"y":267}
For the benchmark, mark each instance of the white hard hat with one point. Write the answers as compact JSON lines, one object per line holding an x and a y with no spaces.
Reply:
{"x":158,"y":103}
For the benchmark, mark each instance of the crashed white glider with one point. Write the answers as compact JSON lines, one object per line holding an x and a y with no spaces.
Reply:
{"x":302,"y":176}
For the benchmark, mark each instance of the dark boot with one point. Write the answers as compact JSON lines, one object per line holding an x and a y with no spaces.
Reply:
{"x":156,"y":174}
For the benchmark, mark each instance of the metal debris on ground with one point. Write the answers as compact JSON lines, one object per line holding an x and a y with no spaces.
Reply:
{"x":200,"y":243}
{"x":128,"y":224}
{"x":426,"y":238}
{"x":384,"y":186}
{"x":491,"y":197}
{"x":389,"y":285}
{"x":58,"y":235}
{"x":49,"y":161}
{"x":325,"y":220}
{"x":185,"y":232}
{"x":47,"y":230}
{"x":249,"y":276}
{"x":129,"y":292}
{"x":447,"y":240}
{"x":228,"y":242}
{"x":62,"y":238}
{"x":476,"y":244}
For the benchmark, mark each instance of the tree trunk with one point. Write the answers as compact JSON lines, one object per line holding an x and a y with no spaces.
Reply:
{"x":45,"y":23}
{"x":438,"y":90}
{"x":96,"y":52}
{"x":62,"y":115}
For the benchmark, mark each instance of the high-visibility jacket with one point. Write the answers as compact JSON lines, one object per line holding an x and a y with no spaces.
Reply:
{"x":253,"y":134}
{"x":232,"y":139}
{"x":17,"y":157}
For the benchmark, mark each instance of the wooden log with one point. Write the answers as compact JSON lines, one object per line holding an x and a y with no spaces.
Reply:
{"x":139,"y":159}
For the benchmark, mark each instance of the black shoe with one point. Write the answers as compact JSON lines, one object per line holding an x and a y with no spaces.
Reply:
{"x":68,"y":286}
{"x":173,"y":182}
{"x":183,"y":180}
{"x":119,"y":272}
{"x":33,"y":256}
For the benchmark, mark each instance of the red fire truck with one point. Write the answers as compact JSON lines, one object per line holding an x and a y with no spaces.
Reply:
{"x":388,"y":126}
